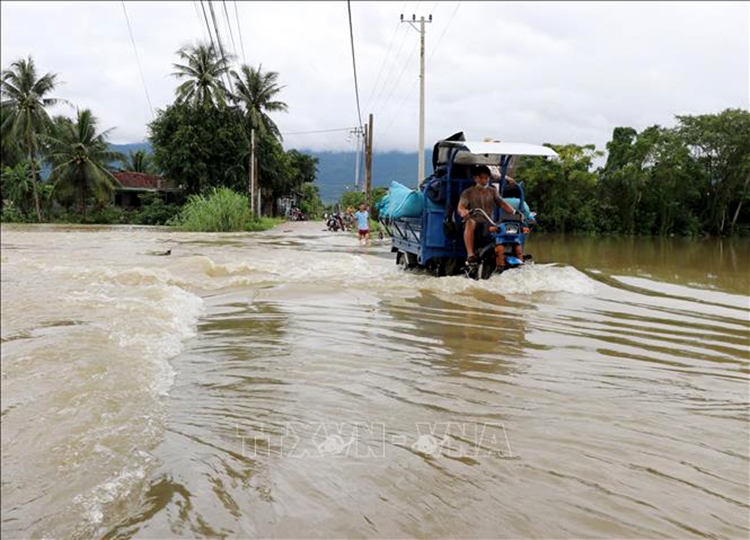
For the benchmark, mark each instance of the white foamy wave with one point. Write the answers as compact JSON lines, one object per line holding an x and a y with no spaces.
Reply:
{"x":147,"y":317}
{"x":128,"y":277}
{"x":116,"y":488}
{"x":378,"y":273}
{"x":544,"y":278}
{"x":529,"y":279}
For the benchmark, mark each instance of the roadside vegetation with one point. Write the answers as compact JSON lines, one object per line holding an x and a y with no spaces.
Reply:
{"x":692,"y":179}
{"x":59,"y":168}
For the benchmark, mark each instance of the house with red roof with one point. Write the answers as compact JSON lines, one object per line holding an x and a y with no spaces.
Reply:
{"x":132,"y":185}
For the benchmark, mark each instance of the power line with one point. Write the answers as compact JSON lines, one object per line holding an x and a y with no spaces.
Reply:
{"x":354,"y":63}
{"x":239,"y":31}
{"x":392,"y":71}
{"x":221,"y":47}
{"x":198,"y":14}
{"x":398,"y":80}
{"x":445,"y":30}
{"x":208,"y":26}
{"x":385,"y":58}
{"x":137,"y":60}
{"x":229,"y":25}
{"x":318,"y":131}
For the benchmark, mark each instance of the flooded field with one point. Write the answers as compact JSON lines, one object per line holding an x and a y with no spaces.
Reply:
{"x":294,"y":384}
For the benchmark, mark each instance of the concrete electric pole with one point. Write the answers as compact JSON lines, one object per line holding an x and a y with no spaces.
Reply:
{"x":422,"y":21}
{"x":357,"y":132}
{"x":368,"y":161}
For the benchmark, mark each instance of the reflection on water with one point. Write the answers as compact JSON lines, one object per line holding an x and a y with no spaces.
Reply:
{"x":293,"y":384}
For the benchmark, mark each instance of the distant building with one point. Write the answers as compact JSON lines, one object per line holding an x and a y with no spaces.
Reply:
{"x":134,"y":184}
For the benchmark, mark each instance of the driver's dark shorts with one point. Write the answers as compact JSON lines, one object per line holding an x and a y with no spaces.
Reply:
{"x":481,"y":230}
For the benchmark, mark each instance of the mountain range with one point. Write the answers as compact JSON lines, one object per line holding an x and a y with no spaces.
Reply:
{"x":336,"y":170}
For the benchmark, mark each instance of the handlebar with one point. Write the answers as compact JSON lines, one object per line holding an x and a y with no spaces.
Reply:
{"x":475,"y":211}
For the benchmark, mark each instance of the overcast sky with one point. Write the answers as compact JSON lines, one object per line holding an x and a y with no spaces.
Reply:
{"x":559,"y":72}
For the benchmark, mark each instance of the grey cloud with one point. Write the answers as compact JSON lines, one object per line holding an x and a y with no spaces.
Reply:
{"x":538,"y":71}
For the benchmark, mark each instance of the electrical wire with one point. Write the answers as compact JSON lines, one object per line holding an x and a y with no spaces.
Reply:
{"x":227,"y":78}
{"x":437,"y":43}
{"x":229,"y":25}
{"x":391,"y":71}
{"x":354,"y":63}
{"x":380,"y":72}
{"x":137,"y":59}
{"x":317,"y":131}
{"x":200,"y":22}
{"x":398,"y":80}
{"x":239,"y":31}
{"x":208,"y":26}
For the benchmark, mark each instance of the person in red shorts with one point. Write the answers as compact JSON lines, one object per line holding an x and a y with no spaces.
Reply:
{"x":363,"y":223}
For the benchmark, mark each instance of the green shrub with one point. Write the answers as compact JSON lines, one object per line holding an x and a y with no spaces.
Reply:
{"x":154,"y":211}
{"x":263,"y":223}
{"x":11,"y":213}
{"x":108,"y":215}
{"x":223,"y":210}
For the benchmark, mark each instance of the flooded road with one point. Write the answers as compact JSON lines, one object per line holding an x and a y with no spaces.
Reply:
{"x":294,"y":384}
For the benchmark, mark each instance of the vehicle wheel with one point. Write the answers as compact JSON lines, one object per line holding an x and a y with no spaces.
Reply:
{"x":485,"y":270}
{"x":401,"y":260}
{"x":452,"y":266}
{"x":437,"y":268}
{"x":405,"y":260}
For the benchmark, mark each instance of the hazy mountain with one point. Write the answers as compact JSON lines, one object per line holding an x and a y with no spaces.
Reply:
{"x":130,"y":147}
{"x":336,"y":170}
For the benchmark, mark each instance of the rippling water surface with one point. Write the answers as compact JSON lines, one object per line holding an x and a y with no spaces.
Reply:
{"x":293,"y":384}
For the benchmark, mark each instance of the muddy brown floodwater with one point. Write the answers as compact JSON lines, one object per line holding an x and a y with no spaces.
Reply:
{"x":293,"y":384}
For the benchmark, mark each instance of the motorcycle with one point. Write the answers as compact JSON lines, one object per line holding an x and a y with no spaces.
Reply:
{"x":502,"y":247}
{"x":334,"y":223}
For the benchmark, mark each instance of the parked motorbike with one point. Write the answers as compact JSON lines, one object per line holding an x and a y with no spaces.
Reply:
{"x":334,"y":223}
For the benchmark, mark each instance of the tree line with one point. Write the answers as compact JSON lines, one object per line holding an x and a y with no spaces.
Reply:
{"x":690,"y":179}
{"x":201,"y":141}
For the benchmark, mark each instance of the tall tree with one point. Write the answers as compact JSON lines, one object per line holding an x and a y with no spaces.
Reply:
{"x":200,"y":148}
{"x":202,"y":67}
{"x":25,"y":99}
{"x":256,"y":92}
{"x":721,"y":144}
{"x":80,"y":157}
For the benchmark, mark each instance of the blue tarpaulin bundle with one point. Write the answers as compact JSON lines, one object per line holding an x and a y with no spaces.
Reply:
{"x":401,"y":202}
{"x":514,"y":202}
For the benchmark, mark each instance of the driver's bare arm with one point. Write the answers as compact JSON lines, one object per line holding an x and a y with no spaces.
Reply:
{"x":462,"y":210}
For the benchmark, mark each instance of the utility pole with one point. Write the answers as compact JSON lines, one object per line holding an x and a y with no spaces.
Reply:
{"x":258,"y":189}
{"x":357,"y":132}
{"x":422,"y":20}
{"x":368,"y":160}
{"x":251,"y":172}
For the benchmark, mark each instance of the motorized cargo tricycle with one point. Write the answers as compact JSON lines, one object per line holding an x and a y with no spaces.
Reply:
{"x":433,"y":240}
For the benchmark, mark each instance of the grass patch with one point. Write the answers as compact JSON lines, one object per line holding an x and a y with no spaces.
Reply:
{"x":264,"y":223}
{"x":222,"y":210}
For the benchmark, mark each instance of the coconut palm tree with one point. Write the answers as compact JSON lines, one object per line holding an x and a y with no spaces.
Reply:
{"x":79,"y":157}
{"x":202,"y":66}
{"x":256,"y":92}
{"x":25,"y":117}
{"x":16,"y":186}
{"x":138,"y":161}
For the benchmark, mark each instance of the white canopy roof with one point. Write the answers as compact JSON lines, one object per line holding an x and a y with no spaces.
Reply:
{"x":501,"y":148}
